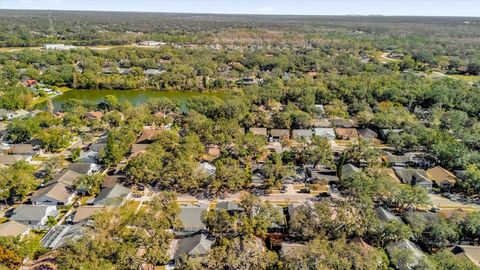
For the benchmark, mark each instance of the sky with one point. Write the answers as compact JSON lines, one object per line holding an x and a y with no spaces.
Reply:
{"x":288,"y":7}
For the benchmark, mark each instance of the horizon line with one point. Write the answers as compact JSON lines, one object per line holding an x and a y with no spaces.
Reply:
{"x":246,"y":14}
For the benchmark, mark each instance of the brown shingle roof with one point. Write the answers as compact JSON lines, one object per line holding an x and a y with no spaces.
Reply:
{"x":280,"y":133}
{"x":346,"y":133}
{"x":148,"y":135}
{"x":94,"y":115}
{"x":85,"y":212}
{"x":259,"y":131}
{"x":441,"y":176}
{"x":112,"y":180}
{"x":12,"y":228}
{"x":57,"y":191}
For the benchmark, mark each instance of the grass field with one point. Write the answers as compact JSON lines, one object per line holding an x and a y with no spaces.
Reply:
{"x":40,"y":100}
{"x":465,"y":78}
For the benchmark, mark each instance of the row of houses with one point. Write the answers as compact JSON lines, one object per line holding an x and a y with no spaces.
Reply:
{"x":328,"y":133}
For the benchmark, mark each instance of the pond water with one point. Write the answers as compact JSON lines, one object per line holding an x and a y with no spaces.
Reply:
{"x":134,"y":97}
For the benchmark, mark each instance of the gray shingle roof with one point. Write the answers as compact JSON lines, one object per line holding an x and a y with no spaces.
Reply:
{"x":229,"y":206}
{"x":67,"y":177}
{"x":349,"y":170}
{"x":385,"y":215}
{"x":412,"y":176}
{"x":406,"y":245}
{"x":328,"y":133}
{"x":191,"y":217}
{"x":194,"y":245}
{"x":30,"y":212}
{"x":112,"y":196}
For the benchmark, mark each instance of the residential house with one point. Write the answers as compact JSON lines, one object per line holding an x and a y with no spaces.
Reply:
{"x":148,"y":136}
{"x":281,"y":225}
{"x":292,"y":209}
{"x":472,"y":253}
{"x":302,"y":134}
{"x":358,"y":241}
{"x":414,"y":218}
{"x":408,"y":246}
{"x":385,"y":132}
{"x":386,"y":216}
{"x":9,"y":160}
{"x":13,"y":228}
{"x":191,"y":217}
{"x":275,"y":147}
{"x":212,"y":152}
{"x":55,"y":193}
{"x":30,"y":83}
{"x":97,"y":147}
{"x":322,"y":174}
{"x":442,"y":177}
{"x":137,"y":149}
{"x":327,"y":133}
{"x":23,"y":150}
{"x":288,"y":249}
{"x":344,"y":123}
{"x":58,"y":236}
{"x":229,"y":206}
{"x":34,"y":215}
{"x":207,"y":168}
{"x":93,"y":153}
{"x":408,"y":159}
{"x":346,"y":133}
{"x":67,"y":177}
{"x":85,"y":212}
{"x":259,"y":131}
{"x":153,"y":72}
{"x":321,"y":123}
{"x":18,"y":114}
{"x":112,"y":196}
{"x":152,"y":43}
{"x":258,"y":180}
{"x":413,"y":177}
{"x":193,"y":246}
{"x":111,"y":180}
{"x":93,"y":116}
{"x":85,"y":168}
{"x":389,"y":172}
{"x":277,"y":134}
{"x":61,"y":47}
{"x":349,"y":170}
{"x":367,"y":134}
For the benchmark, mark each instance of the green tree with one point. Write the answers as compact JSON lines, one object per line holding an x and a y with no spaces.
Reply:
{"x":89,"y":184}
{"x":55,"y":138}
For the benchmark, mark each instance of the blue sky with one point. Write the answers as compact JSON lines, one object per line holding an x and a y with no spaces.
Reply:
{"x":300,"y":7}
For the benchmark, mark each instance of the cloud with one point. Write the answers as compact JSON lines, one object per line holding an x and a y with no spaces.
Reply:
{"x":266,"y":9}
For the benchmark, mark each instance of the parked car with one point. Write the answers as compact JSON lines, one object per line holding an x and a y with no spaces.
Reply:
{"x":304,"y":190}
{"x":324,"y":194}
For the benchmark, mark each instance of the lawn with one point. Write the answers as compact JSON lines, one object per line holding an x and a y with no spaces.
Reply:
{"x":39,"y":100}
{"x":465,"y":78}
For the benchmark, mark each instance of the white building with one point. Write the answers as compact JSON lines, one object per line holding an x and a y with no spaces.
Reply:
{"x":58,"y":47}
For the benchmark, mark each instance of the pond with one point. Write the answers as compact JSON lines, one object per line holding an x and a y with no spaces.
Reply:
{"x":134,"y":97}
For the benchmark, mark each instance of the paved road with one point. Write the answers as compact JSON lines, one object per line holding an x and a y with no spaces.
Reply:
{"x":445,"y":203}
